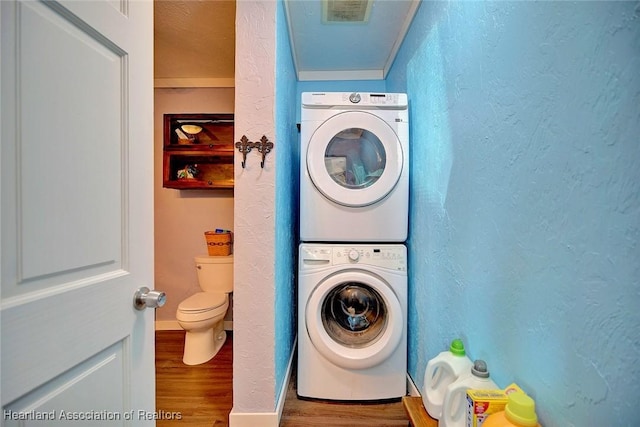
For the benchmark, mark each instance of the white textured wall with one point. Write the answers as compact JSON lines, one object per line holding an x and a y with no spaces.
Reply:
{"x":254,"y":293}
{"x":182,"y":216}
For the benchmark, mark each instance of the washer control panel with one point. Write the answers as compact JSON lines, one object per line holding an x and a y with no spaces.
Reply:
{"x":387,"y":256}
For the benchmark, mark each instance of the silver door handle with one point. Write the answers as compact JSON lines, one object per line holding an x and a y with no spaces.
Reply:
{"x":144,"y":298}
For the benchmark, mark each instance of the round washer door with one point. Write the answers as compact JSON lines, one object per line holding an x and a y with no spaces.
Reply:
{"x":354,"y":319}
{"x":354,"y":159}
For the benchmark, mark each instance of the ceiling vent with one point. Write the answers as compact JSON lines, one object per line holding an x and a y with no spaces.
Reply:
{"x":346,"y":11}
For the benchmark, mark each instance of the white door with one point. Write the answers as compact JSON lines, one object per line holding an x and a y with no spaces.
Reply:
{"x":77,"y":212}
{"x":354,"y":159}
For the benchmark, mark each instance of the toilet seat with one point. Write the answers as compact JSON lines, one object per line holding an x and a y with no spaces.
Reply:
{"x":203,"y":301}
{"x":203,"y":305}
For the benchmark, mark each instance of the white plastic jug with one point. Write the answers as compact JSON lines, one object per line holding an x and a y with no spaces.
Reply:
{"x":454,"y":406}
{"x":441,"y":371}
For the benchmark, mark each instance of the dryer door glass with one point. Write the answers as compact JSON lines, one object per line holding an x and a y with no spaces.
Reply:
{"x":355,"y":158}
{"x":354,"y":315}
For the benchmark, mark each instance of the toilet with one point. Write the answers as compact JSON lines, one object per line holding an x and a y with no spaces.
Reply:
{"x":202,"y":314}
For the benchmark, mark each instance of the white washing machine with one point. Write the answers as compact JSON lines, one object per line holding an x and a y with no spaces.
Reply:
{"x":352,"y":321}
{"x":354,"y":167}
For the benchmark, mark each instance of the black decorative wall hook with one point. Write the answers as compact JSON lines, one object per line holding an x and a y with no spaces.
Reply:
{"x":244,"y":146}
{"x":264,"y":146}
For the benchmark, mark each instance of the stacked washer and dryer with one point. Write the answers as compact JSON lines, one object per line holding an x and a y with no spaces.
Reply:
{"x":352,"y":273}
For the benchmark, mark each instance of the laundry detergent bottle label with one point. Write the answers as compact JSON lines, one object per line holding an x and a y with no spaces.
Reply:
{"x":441,"y":371}
{"x":454,"y":408}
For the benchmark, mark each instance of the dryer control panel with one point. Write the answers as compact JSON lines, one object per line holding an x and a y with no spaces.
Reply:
{"x":353,"y":99}
{"x":386,"y":256}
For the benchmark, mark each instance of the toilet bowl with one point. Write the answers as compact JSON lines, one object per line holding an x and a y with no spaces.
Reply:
{"x":202,"y":317}
{"x":202,"y":314}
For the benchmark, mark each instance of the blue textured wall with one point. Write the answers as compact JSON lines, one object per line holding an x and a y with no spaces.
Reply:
{"x":525,"y":198}
{"x":286,"y":200}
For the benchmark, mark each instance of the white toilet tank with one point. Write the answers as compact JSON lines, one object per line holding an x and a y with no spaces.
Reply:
{"x":215,"y":273}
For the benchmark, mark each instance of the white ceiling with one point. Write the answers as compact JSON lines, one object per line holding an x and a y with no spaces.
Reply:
{"x":195,"y":41}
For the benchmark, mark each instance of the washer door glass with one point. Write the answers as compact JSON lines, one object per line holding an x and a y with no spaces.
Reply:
{"x":354,"y":319}
{"x":355,"y":158}
{"x":354,"y":315}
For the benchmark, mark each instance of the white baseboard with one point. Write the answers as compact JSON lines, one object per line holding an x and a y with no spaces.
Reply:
{"x":412,"y":389}
{"x":266,"y":419}
{"x":173,"y":325}
{"x":246,"y":419}
{"x":287,"y":378}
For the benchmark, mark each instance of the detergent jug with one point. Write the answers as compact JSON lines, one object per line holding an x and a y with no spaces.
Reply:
{"x":520,"y":411}
{"x":441,"y":371}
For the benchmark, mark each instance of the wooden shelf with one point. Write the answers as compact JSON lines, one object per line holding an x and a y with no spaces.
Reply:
{"x":418,"y":416}
{"x":202,"y":159}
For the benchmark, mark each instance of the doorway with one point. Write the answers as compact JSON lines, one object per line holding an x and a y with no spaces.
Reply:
{"x":188,"y":78}
{"x":181,"y":217}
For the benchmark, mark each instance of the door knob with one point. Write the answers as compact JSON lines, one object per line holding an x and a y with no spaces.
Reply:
{"x":144,"y":298}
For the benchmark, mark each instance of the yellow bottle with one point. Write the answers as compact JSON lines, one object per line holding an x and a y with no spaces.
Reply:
{"x":520,"y":411}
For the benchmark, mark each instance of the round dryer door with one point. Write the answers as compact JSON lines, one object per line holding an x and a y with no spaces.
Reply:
{"x":354,"y":159}
{"x":354,"y":319}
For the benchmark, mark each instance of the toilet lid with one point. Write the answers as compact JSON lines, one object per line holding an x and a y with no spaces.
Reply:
{"x":203,"y":301}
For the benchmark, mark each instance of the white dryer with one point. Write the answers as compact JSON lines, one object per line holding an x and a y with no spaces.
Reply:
{"x":354,"y":167}
{"x":352,"y":322}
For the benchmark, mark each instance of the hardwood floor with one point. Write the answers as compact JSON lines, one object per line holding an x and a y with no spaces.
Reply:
{"x":308,"y":413}
{"x":202,"y":394}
